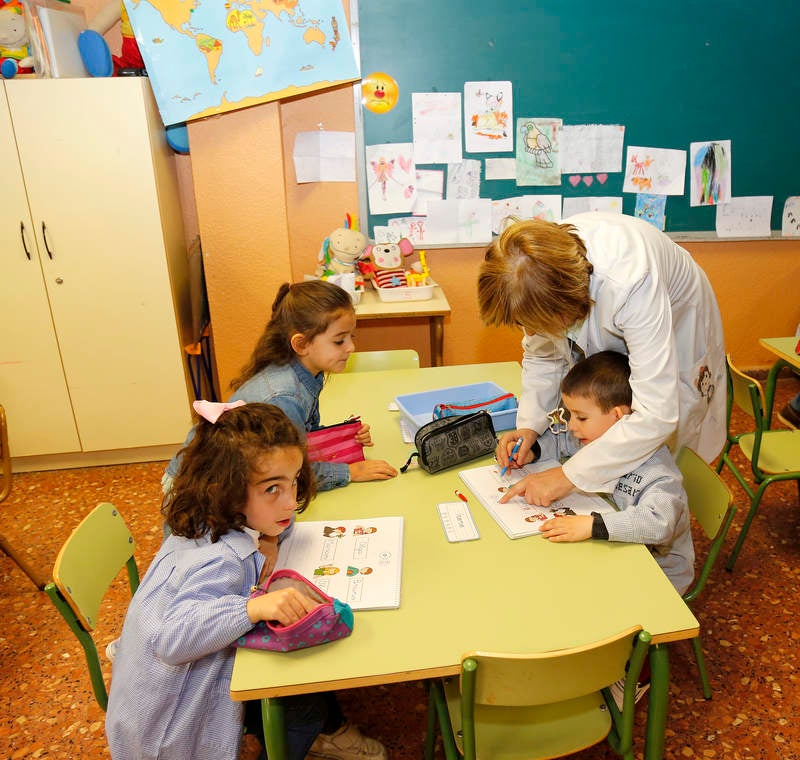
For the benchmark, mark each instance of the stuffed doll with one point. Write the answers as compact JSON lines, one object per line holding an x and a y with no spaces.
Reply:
{"x":15,"y":57}
{"x":340,"y":251}
{"x":386,"y":264}
{"x":94,"y":50}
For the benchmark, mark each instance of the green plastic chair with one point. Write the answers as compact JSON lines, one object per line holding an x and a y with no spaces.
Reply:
{"x":774,"y":455}
{"x":86,"y":566}
{"x":538,"y":705}
{"x":711,"y":503}
{"x":370,"y":361}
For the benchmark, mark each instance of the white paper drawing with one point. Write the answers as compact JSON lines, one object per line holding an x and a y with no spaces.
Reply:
{"x":590,"y":148}
{"x":745,"y":216}
{"x":710,"y":172}
{"x":411,"y":227}
{"x":459,"y":221}
{"x":506,"y":210}
{"x":391,"y":178}
{"x":488,"y":117}
{"x":463,"y":180}
{"x":323,"y":156}
{"x":790,"y":226}
{"x":436,"y":123}
{"x":430,"y":187}
{"x":538,"y":161}
{"x":386,"y":234}
{"x":500,"y":168}
{"x":659,"y":171}
{"x":606,"y":204}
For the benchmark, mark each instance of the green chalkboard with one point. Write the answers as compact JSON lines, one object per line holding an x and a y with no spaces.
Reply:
{"x":672,"y":73}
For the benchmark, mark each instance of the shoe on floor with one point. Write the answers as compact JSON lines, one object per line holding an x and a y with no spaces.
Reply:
{"x":617,"y":690}
{"x":348,"y":743}
{"x":111,"y":650}
{"x":789,"y":416}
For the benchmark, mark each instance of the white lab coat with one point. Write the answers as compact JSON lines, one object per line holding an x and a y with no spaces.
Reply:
{"x":653,"y":303}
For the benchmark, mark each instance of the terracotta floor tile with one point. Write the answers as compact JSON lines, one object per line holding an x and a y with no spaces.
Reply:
{"x":748,"y":618}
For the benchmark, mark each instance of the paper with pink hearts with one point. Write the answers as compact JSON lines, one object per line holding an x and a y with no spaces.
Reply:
{"x":391,"y":178}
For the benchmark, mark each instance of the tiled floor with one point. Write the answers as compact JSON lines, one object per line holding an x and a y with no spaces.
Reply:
{"x":748,"y":618}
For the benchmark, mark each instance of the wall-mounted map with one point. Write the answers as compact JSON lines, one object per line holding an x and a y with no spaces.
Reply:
{"x":206,"y":57}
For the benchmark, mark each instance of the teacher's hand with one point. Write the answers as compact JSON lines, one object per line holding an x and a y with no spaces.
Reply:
{"x":541,"y":488}
{"x":506,"y":445}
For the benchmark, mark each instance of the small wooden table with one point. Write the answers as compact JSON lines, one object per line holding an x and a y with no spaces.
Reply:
{"x":434,"y":310}
{"x":784,"y":349}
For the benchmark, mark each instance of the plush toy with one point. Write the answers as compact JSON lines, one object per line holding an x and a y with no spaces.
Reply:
{"x":15,"y":57}
{"x":95,"y":52}
{"x":341,"y":250}
{"x":386,"y":263}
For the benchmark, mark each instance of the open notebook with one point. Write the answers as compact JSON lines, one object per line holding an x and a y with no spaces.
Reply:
{"x":355,"y":561}
{"x":518,"y":518}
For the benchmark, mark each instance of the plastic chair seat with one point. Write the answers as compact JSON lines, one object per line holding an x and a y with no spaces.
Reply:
{"x":554,"y":730}
{"x":780,"y":450}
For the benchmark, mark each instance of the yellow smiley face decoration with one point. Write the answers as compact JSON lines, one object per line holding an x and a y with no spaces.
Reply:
{"x":379,"y":92}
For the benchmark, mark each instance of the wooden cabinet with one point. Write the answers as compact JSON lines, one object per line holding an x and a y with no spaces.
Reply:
{"x":94,"y":302}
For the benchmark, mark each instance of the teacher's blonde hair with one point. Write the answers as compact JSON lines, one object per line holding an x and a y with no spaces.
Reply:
{"x":535,"y":274}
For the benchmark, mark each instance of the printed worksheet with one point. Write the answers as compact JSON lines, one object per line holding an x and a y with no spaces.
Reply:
{"x":355,"y":561}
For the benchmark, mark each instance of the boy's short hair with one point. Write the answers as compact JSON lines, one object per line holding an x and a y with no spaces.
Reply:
{"x":603,"y":377}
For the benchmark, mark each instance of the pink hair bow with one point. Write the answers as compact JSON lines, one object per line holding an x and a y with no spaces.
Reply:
{"x":212,"y":410}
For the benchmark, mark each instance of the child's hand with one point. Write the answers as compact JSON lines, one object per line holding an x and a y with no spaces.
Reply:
{"x":363,"y":436}
{"x":371,"y":469}
{"x":568,"y":528}
{"x":286,"y":606}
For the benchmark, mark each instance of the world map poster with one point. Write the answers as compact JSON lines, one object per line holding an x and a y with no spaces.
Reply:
{"x":206,"y":57}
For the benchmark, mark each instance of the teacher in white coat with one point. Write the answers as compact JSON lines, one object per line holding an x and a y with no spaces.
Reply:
{"x":597,"y":282}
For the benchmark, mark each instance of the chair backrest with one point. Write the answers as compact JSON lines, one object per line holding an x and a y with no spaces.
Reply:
{"x":711,"y":503}
{"x":746,"y":392}
{"x":370,"y":361}
{"x":5,"y":457}
{"x":546,"y":677}
{"x":91,"y":558}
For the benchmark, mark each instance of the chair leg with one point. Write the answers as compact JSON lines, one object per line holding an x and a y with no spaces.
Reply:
{"x":746,"y":527}
{"x":697,"y":646}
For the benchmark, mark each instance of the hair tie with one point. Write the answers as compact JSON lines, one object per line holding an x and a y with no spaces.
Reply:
{"x":212,"y":410}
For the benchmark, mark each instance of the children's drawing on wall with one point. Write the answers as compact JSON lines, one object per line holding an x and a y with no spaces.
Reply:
{"x":651,"y":208}
{"x":391,"y":178}
{"x":463,"y":180}
{"x":659,"y":171}
{"x":538,"y":152}
{"x":430,"y":187}
{"x":606,"y":204}
{"x":436,"y":124}
{"x":459,"y":221}
{"x":791,"y":217}
{"x":507,"y":210}
{"x":488,"y":116}
{"x":591,"y":148}
{"x":745,"y":216}
{"x":711,"y":172}
{"x":411,"y":227}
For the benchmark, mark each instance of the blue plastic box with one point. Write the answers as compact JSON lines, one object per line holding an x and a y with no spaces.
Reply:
{"x":417,"y":408}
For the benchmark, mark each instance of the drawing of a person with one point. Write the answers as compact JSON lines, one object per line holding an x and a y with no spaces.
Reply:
{"x":326,"y":570}
{"x":361,"y":531}
{"x":337,"y":532}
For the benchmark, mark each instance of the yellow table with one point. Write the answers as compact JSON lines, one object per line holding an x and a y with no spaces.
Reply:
{"x":784,"y":349}
{"x":493,"y":593}
{"x":435,"y":309}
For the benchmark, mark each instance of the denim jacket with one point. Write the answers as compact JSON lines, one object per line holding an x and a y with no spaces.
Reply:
{"x":294,"y":390}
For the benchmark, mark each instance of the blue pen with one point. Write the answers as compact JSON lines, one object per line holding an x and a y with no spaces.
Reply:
{"x":513,"y":454}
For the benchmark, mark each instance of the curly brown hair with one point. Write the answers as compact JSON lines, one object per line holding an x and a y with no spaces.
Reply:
{"x":307,"y":308}
{"x":210,"y":490}
{"x":535,"y":274}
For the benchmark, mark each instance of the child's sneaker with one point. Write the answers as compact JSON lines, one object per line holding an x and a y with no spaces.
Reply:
{"x":348,"y":743}
{"x":617,"y":690}
{"x":111,"y":650}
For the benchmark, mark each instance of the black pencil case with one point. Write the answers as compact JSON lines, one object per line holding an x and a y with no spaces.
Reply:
{"x":451,"y":441}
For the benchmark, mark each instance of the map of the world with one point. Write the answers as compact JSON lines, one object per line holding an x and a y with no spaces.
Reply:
{"x":206,"y":57}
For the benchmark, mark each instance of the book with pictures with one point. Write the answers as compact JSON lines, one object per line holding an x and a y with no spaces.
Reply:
{"x":516,"y":517}
{"x":355,"y":561}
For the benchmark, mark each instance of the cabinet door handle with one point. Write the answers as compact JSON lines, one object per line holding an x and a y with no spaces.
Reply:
{"x":24,"y":244}
{"x":44,"y":237}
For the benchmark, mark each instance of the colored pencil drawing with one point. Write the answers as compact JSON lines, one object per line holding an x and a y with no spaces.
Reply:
{"x":392,"y":178}
{"x":659,"y":171}
{"x":488,"y":116}
{"x":711,"y":173}
{"x":538,"y":161}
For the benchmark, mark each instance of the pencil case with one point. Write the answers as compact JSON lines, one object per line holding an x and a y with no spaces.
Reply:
{"x":503,"y":403}
{"x":330,"y":621}
{"x":335,"y":443}
{"x":451,"y":441}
